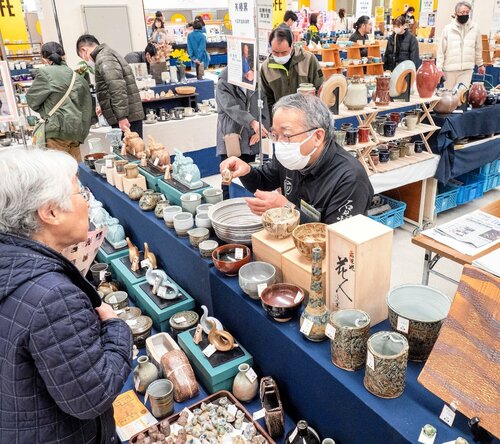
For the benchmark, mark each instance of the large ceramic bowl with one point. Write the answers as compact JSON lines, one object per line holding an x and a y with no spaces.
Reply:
{"x":282,"y":301}
{"x":308,"y":236}
{"x":417,"y":312}
{"x":226,"y":258}
{"x":255,"y":274}
{"x":280,"y":222}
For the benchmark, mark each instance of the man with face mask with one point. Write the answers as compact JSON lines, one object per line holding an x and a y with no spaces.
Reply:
{"x":401,"y":46}
{"x":316,"y":176}
{"x":287,"y":67}
{"x":460,"y":48}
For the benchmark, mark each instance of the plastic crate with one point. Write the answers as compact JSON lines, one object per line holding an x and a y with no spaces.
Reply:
{"x":446,"y":197}
{"x":490,"y":168}
{"x":491,"y":181}
{"x":471,"y":187}
{"x":393,"y":218}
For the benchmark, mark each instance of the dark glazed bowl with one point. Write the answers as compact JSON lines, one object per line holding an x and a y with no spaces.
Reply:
{"x":225,"y":261}
{"x":90,"y":159}
{"x":282,"y":301}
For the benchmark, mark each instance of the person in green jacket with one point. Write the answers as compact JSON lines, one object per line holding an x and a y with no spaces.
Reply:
{"x":69,"y":126}
{"x":117,"y":92}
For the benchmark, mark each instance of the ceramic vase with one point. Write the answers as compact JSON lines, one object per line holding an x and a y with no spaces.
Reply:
{"x":477,"y":95}
{"x":182,"y":73}
{"x":144,"y":374}
{"x":302,"y":434}
{"x":448,"y":102}
{"x":316,"y":311}
{"x":381,"y":96}
{"x":356,"y":97}
{"x":428,"y":76}
{"x":243,"y":389}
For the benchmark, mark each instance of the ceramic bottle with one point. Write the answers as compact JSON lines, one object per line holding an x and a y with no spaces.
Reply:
{"x":428,"y":76}
{"x":302,"y":434}
{"x":316,"y":311}
{"x":477,"y":95}
{"x":356,"y":97}
{"x":243,"y":389}
{"x":144,"y":374}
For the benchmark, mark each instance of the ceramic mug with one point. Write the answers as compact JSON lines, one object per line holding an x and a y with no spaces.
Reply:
{"x":190,"y":201}
{"x":183,"y":222}
{"x":394,"y":153}
{"x":212,"y":195}
{"x":395,"y":117}
{"x":389,"y":128}
{"x":345,"y":126}
{"x":410,"y":122}
{"x":352,"y":136}
{"x":383,"y":156}
{"x":188,"y":111}
{"x":418,"y":146}
{"x":204,"y":108}
{"x":378,"y":125}
{"x":169,"y":213}
{"x":363,"y":134}
{"x":131,"y":170}
{"x":161,"y":397}
{"x":97,"y":271}
{"x":340,"y":137}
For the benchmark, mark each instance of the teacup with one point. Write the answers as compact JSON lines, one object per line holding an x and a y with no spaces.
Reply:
{"x":183,"y":222}
{"x":418,"y":146}
{"x":188,"y":111}
{"x":395,"y":117}
{"x":204,"y":108}
{"x":212,"y":195}
{"x":410,"y":122}
{"x":340,"y":137}
{"x":169,"y":213}
{"x":190,"y":201}
{"x":389,"y":128}
{"x":363,"y":134}
{"x":383,"y":155}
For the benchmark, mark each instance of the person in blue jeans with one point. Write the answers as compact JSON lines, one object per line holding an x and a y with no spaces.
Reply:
{"x":197,"y":48}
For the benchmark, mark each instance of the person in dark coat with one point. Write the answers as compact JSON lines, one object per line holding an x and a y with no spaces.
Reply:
{"x":145,"y":56}
{"x":363,"y":27}
{"x":64,"y":355}
{"x":401,"y":45}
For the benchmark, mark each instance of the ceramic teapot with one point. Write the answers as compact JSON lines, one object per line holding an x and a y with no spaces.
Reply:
{"x":449,"y":101}
{"x":356,"y":97}
{"x":428,"y":77}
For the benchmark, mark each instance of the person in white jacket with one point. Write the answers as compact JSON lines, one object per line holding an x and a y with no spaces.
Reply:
{"x":460,"y":48}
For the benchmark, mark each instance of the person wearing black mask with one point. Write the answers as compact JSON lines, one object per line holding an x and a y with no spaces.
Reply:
{"x":401,"y":46}
{"x":460,"y":48}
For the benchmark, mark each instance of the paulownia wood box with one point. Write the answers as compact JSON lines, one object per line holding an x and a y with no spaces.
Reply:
{"x":118,"y":179}
{"x":360,"y":256}
{"x":128,"y":183}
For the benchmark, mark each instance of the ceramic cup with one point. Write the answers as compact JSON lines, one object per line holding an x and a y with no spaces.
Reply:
{"x":389,"y":128}
{"x":411,"y":148}
{"x":203,"y":221}
{"x":120,"y":166}
{"x":394,"y":153}
{"x":203,"y":208}
{"x":340,"y":137}
{"x":212,"y":195}
{"x":183,"y":222}
{"x":96,"y":271}
{"x":378,"y":125}
{"x":190,"y":201}
{"x":383,"y":155}
{"x":418,"y":146}
{"x":346,"y":126}
{"x":169,"y":213}
{"x":131,"y":170}
{"x":410,"y":122}
{"x":204,"y":108}
{"x":404,"y":150}
{"x":188,"y":111}
{"x":395,"y":117}
{"x":352,"y":136}
{"x":363,"y":134}
{"x":117,"y":299}
{"x":161,"y":397}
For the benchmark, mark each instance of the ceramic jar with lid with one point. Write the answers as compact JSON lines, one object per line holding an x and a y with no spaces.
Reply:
{"x":306,"y":88}
{"x":149,"y":200}
{"x":356,"y":97}
{"x":182,"y":321}
{"x":136,"y":192}
{"x":141,"y":329}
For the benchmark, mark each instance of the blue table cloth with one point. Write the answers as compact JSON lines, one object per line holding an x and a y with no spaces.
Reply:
{"x":472,"y":123}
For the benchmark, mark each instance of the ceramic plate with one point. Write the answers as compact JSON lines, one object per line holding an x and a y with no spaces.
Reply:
{"x":397,"y":84}
{"x":326,"y":92}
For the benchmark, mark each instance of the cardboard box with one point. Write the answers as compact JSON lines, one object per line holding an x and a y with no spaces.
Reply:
{"x":118,"y":180}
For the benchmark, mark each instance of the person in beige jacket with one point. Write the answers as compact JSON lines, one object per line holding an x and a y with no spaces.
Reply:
{"x":460,"y":48}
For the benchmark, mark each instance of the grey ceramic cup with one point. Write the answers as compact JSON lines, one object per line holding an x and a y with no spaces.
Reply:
{"x":212,"y":195}
{"x":161,"y":397}
{"x":96,"y":270}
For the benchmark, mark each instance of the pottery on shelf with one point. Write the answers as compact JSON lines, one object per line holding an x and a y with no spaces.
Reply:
{"x":156,"y":346}
{"x":131,"y":170}
{"x":206,"y":321}
{"x":308,"y":236}
{"x":381,"y":96}
{"x":356,"y":97}
{"x":282,"y":301}
{"x":185,"y":171}
{"x":477,"y":94}
{"x":254,"y":276}
{"x":302,"y":434}
{"x":222,"y":340}
{"x":135,"y":192}
{"x":141,"y":329}
{"x":133,"y":255}
{"x":160,"y":206}
{"x":149,"y":200}
{"x":207,"y":247}
{"x":116,"y":234}
{"x":150,"y":256}
{"x":271,"y":402}
{"x":177,"y":369}
{"x":280,"y":222}
{"x":107,"y":285}
{"x":428,"y":77}
{"x":243,"y":389}
{"x":182,"y":321}
{"x":198,"y":235}
{"x":117,"y":299}
{"x":144,"y":374}
{"x":448,"y":102}
{"x":133,"y":144}
{"x":229,"y":258}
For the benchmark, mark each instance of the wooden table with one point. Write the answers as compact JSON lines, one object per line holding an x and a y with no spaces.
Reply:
{"x":435,"y":250}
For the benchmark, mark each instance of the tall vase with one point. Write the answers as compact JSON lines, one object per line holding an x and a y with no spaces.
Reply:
{"x":315,"y":315}
{"x":428,"y":76}
{"x":381,"y":96}
{"x":182,"y":73}
{"x":144,"y":374}
{"x":243,"y":389}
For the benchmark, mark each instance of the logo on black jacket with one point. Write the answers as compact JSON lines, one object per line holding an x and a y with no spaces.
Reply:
{"x":288,"y":186}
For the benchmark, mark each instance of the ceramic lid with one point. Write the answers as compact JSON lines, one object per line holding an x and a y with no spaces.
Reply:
{"x":184,"y":320}
{"x":129,"y":313}
{"x":140,"y":324}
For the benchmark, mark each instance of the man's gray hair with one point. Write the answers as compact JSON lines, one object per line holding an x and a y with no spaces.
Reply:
{"x":30,"y":179}
{"x":460,"y":4}
{"x":316,"y":114}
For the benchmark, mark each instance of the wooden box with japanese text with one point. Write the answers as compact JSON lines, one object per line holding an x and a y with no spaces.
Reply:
{"x":360,"y":256}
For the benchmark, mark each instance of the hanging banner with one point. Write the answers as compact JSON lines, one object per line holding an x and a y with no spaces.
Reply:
{"x":12,"y":23}
{"x":363,"y":7}
{"x":242,"y":17}
{"x":241,"y":59}
{"x":279,"y":8}
{"x":264,"y":25}
{"x":379,"y":14}
{"x":426,"y":17}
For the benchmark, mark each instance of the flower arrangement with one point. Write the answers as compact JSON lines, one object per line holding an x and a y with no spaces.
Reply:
{"x":83,"y":68}
{"x":181,"y":56}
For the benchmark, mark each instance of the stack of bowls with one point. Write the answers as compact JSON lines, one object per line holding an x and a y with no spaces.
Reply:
{"x":233,"y":221}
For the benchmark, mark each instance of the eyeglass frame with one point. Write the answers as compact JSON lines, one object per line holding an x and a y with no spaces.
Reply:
{"x":272,"y":138}
{"x":85,"y":193}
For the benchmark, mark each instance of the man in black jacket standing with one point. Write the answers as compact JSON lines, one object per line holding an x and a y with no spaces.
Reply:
{"x":116,"y":89}
{"x":401,"y":45}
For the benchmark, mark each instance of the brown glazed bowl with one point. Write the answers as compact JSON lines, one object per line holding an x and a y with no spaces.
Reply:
{"x":280,"y":222}
{"x":308,"y":236}
{"x":90,"y":159}
{"x":282,"y":301}
{"x":225,"y":261}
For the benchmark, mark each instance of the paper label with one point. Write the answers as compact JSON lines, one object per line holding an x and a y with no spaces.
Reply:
{"x":261,"y":288}
{"x":403,"y":325}
{"x":136,"y":383}
{"x":209,"y":351}
{"x":370,"y":360}
{"x":238,"y":253}
{"x":109,"y":163}
{"x":180,"y":320}
{"x":298,"y":297}
{"x":189,"y":177}
{"x":447,"y":415}
{"x":162,"y":291}
{"x":424,"y":439}
{"x":330,"y":331}
{"x":259,"y":414}
{"x":110,"y":148}
{"x":102,"y":275}
{"x":306,"y":327}
{"x":293,"y":435}
{"x":103,"y":169}
{"x":163,"y":197}
{"x":232,"y":409}
{"x":145,"y":263}
{"x":251,"y":375}
{"x":156,"y":162}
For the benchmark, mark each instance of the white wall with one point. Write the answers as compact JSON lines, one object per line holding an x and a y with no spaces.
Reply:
{"x":71,"y":22}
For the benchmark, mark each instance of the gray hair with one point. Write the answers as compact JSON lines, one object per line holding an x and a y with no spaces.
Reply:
{"x":30,"y":179}
{"x":460,"y":4}
{"x":316,"y":114}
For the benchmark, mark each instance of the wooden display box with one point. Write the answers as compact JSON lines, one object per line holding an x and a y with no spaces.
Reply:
{"x":215,"y":373}
{"x":360,"y":256}
{"x":129,"y":183}
{"x":297,"y":271}
{"x":267,"y":248}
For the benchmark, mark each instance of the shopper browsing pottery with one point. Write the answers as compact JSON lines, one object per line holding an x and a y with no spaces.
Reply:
{"x":401,"y":45}
{"x":363,"y":27}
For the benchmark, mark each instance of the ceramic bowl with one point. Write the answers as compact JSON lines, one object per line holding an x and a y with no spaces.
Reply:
{"x":212,"y":195}
{"x":254,"y":275}
{"x":7,"y":142}
{"x":88,"y":160}
{"x":117,"y":299}
{"x":225,"y":258}
{"x":183,"y":222}
{"x":203,"y":221}
{"x":190,"y":201}
{"x":100,"y":167}
{"x":169,"y":213}
{"x":197,"y":235}
{"x":308,"y":236}
{"x":203,"y":208}
{"x":280,"y":222}
{"x":207,"y":247}
{"x":417,"y":312}
{"x":282,"y":301}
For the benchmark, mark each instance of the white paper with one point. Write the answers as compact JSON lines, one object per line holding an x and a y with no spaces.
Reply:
{"x":403,"y":325}
{"x":242,"y":16}
{"x":489,"y":262}
{"x":251,"y":375}
{"x":330,"y":331}
{"x":363,"y":7}
{"x":259,"y":414}
{"x":261,"y":288}
{"x":103,"y":169}
{"x":447,"y":415}
{"x":180,"y":320}
{"x":306,"y":327}
{"x":102,"y":275}
{"x":189,"y":177}
{"x":109,"y":163}
{"x":162,"y":291}
{"x":370,"y":360}
{"x":145,"y":263}
{"x":232,"y":409}
{"x":238,"y":253}
{"x":156,"y":162}
{"x":424,"y":439}
{"x":209,"y":351}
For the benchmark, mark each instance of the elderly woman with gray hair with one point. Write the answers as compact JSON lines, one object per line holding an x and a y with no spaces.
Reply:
{"x":64,"y":356}
{"x":460,"y":48}
{"x":315,"y":174}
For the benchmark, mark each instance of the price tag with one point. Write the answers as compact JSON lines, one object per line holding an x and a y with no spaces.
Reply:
{"x":251,"y":375}
{"x":102,"y":275}
{"x":293,"y":435}
{"x":90,"y":158}
{"x":238,"y":253}
{"x":330,"y":331}
{"x":306,"y":326}
{"x":298,"y":297}
{"x":426,"y":438}
{"x":180,"y":320}
{"x":232,"y":409}
{"x":163,"y":197}
{"x":259,"y":414}
{"x":209,"y":351}
{"x":146,"y":397}
{"x":162,"y":292}
{"x":403,"y":325}
{"x":109,"y":163}
{"x":370,"y":360}
{"x":447,"y":415}
{"x":189,"y":177}
{"x":110,"y":148}
{"x":156,"y":162}
{"x":145,"y":263}
{"x":261,"y":288}
{"x":103,"y":169}
{"x":136,"y":383}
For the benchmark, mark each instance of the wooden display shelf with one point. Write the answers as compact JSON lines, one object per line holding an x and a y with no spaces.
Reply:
{"x":331,"y":54}
{"x":402,"y":133}
{"x":372,"y":69}
{"x":486,"y":50}
{"x":404,"y":161}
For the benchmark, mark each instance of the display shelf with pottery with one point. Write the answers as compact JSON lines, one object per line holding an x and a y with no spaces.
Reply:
{"x":331,"y":63}
{"x":373,"y":50}
{"x":121,"y":268}
{"x":173,"y":190}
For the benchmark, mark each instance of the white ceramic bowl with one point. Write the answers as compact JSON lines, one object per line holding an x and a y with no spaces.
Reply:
{"x":212,"y":195}
{"x":169,"y":213}
{"x":203,"y":208}
{"x":190,"y":201}
{"x":253,"y":274}
{"x":183,"y":222}
{"x":203,"y":221}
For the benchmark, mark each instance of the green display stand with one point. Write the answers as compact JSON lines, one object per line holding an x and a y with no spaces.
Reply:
{"x":217,"y":372}
{"x":160,"y":310}
{"x":107,"y":253}
{"x":173,"y":190}
{"x":128,"y":157}
{"x":121,"y":267}
{"x":152,"y":177}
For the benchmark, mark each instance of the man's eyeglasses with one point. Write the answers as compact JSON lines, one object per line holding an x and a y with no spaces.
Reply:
{"x":85,"y":192}
{"x":274,"y":137}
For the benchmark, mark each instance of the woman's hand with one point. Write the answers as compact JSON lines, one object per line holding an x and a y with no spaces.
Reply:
{"x":105,"y":312}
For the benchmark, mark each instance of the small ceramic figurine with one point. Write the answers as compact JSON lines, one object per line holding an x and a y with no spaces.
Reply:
{"x":227,"y":177}
{"x":205,"y":321}
{"x":133,"y":143}
{"x":148,"y":255}
{"x":220,"y":339}
{"x":133,"y":255}
{"x":185,"y":171}
{"x":144,"y":159}
{"x":116,"y":234}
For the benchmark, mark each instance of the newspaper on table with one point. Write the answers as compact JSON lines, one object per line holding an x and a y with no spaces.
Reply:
{"x":489,"y":262}
{"x":470,"y":234}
